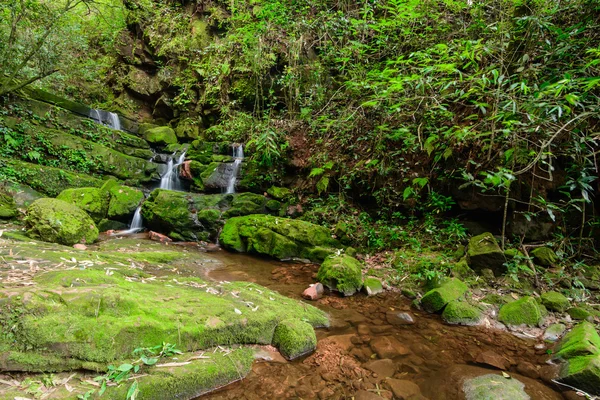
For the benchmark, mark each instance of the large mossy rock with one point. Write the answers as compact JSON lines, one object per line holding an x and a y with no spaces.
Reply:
{"x":93,"y":201}
{"x":450,"y":290}
{"x":187,"y":131}
{"x":484,"y":253}
{"x":341,"y":273}
{"x":523,"y":311}
{"x":279,"y":193}
{"x":294,"y":338}
{"x":161,"y":136}
{"x":555,"y":301}
{"x":123,"y":202}
{"x":494,"y":387}
{"x":544,"y":256}
{"x":57,"y":221}
{"x":8,"y":207}
{"x":583,"y":340}
{"x":461,"y":313}
{"x":281,"y":238}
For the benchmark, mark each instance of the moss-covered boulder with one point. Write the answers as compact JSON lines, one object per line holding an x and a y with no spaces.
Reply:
{"x":523,"y":311}
{"x":555,"y":301}
{"x":484,"y":253}
{"x":579,"y":313}
{"x":450,"y":290}
{"x":341,"y":273}
{"x":583,"y":340}
{"x":294,"y":338}
{"x":582,"y":373}
{"x":8,"y":207}
{"x":544,"y":256}
{"x":57,"y":221}
{"x":187,"y":131}
{"x":461,"y":313}
{"x":93,"y":201}
{"x":371,"y":286}
{"x":161,"y":136}
{"x":279,"y":193}
{"x":281,"y":238}
{"x":123,"y":202}
{"x":494,"y":387}
{"x":111,"y":225}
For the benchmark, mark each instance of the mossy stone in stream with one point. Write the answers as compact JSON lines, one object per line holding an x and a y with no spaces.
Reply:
{"x":555,"y":301}
{"x":294,"y":338}
{"x":123,"y":202}
{"x":582,"y":372}
{"x":341,"y":273}
{"x":461,"y":313}
{"x":544,"y":256}
{"x":57,"y":221}
{"x":523,"y":311}
{"x":372,"y":286}
{"x":450,"y":290}
{"x":484,"y":253}
{"x":494,"y":387}
{"x":111,"y":225}
{"x":583,"y":340}
{"x":161,"y":136}
{"x":579,"y":313}
{"x":94,"y":201}
{"x":279,"y":193}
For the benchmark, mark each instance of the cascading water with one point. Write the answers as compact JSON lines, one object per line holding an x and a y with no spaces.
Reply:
{"x":106,"y":118}
{"x":137,"y":223}
{"x":170,"y":180}
{"x":238,"y":155}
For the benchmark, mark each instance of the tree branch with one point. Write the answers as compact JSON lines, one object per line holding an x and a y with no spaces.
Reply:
{"x":22,"y":84}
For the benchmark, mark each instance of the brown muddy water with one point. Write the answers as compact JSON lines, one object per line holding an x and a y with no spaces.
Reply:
{"x":366,"y":345}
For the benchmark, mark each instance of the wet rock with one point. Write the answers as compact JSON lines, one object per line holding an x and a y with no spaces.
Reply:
{"x":341,"y":273}
{"x":313,"y":292}
{"x":484,"y":252}
{"x":404,"y":389}
{"x":185,"y":171}
{"x":363,"y":329}
{"x":523,"y":311}
{"x":461,"y":313}
{"x":365,"y":395}
{"x":80,"y":246}
{"x":388,"y":347}
{"x":492,"y":359}
{"x":158,"y":237}
{"x":436,"y":299}
{"x":383,"y":368}
{"x":544,"y":256}
{"x":343,"y":342}
{"x":294,"y":338}
{"x":123,"y":202}
{"x":379,"y":329}
{"x":494,"y":387}
{"x":554,"y":332}
{"x":555,"y":301}
{"x":528,"y":369}
{"x":109,"y":225}
{"x":372,"y":286}
{"x":57,"y":221}
{"x":399,"y":318}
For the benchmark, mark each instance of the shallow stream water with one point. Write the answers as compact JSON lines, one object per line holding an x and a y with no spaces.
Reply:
{"x":435,"y":356}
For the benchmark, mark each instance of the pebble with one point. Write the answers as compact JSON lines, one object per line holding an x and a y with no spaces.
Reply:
{"x":399,"y":318}
{"x":492,"y":359}
{"x":388,"y":347}
{"x":313,"y":292}
{"x":383,"y":368}
{"x":403,"y":389}
{"x":80,"y":246}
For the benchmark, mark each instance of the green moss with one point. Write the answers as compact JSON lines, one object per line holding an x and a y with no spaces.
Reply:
{"x":484,"y":253}
{"x":555,"y":301}
{"x":494,"y":387}
{"x":273,"y":205}
{"x":461,"y":269}
{"x":372,"y":286}
{"x":437,"y":298}
{"x":579,"y":313}
{"x":279,"y":193}
{"x":341,"y":273}
{"x":294,"y":338}
{"x":123,"y":202}
{"x":246,"y":204}
{"x":277,"y":237}
{"x":461,"y":313}
{"x":583,"y":340}
{"x":56,"y":221}
{"x":110,"y":225}
{"x":8,"y":207}
{"x":544,"y":256}
{"x":94,"y":201}
{"x":583,"y":373}
{"x":161,"y":136}
{"x":523,"y":311}
{"x":187,"y":131}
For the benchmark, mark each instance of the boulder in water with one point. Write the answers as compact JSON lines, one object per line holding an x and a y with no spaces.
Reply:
{"x":341,"y":273}
{"x":294,"y":338}
{"x":54,"y":220}
{"x":494,"y":387}
{"x":523,"y":311}
{"x":450,"y":290}
{"x":94,"y":201}
{"x":372,"y":286}
{"x":160,"y":136}
{"x":461,"y":313}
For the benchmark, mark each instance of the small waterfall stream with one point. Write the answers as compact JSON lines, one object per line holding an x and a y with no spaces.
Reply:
{"x":136,"y":225}
{"x":170,"y":180}
{"x":106,"y":118}
{"x":238,"y":155}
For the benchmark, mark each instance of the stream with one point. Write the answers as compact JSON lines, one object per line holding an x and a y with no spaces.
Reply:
{"x":435,"y":356}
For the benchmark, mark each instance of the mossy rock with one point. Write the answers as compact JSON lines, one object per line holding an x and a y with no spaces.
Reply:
{"x":111,"y":225}
{"x":281,"y":238}
{"x":294,"y":338}
{"x":484,"y":252}
{"x":461,"y":269}
{"x":273,"y":205}
{"x":341,"y":273}
{"x":161,"y":136}
{"x":371,"y":286}
{"x":523,"y":311}
{"x":94,"y":201}
{"x":124,"y":200}
{"x":187,"y":131}
{"x":8,"y":207}
{"x":555,"y":301}
{"x":512,"y":253}
{"x":145,"y":127}
{"x":450,"y":290}
{"x":579,"y":313}
{"x":246,"y":204}
{"x":544,"y":256}
{"x":461,"y":313}
{"x":583,"y":373}
{"x":57,"y":221}
{"x":279,"y":193}
{"x":583,"y":340}
{"x":494,"y":387}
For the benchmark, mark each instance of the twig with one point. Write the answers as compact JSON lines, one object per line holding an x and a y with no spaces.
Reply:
{"x":535,"y":276}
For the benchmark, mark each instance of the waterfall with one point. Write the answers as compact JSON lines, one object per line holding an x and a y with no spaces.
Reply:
{"x":238,"y":155}
{"x":137,"y":224}
{"x":170,"y":180}
{"x":106,"y":118}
